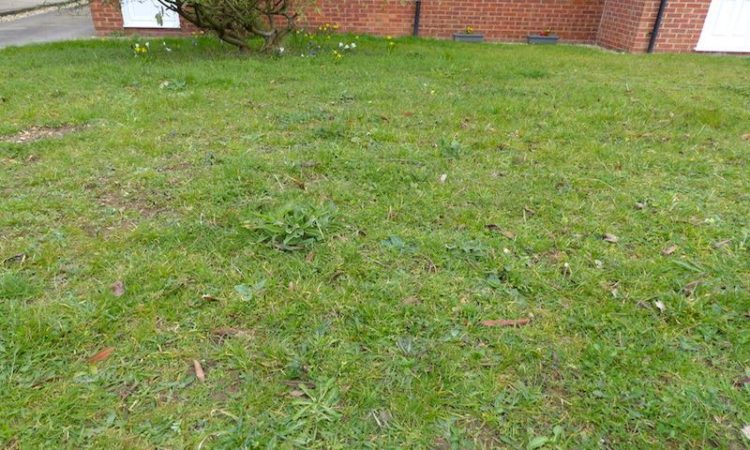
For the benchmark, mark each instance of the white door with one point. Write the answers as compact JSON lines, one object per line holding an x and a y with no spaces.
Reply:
{"x":144,"y":13}
{"x":727,"y":27}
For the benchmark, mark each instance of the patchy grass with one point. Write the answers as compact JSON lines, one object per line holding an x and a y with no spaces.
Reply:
{"x":326,"y":237}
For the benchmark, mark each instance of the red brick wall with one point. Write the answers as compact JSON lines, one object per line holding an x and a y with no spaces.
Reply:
{"x":617,"y":24}
{"x":627,"y":24}
{"x":107,"y":18}
{"x":682,"y":25}
{"x":508,"y":20}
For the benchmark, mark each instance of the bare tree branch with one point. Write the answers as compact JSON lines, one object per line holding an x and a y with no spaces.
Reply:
{"x":237,"y":21}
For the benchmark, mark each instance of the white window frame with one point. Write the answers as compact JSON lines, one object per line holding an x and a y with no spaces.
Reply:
{"x":132,"y":17}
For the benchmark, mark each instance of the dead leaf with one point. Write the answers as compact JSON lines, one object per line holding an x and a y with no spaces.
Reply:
{"x":723,"y":243}
{"x":408,"y":113}
{"x":310,"y":257}
{"x":528,"y":212}
{"x":299,"y":183}
{"x":742,"y":382}
{"x":506,"y":323}
{"x":118,"y":288}
{"x":640,"y":205}
{"x":209,"y":298}
{"x":15,"y":259}
{"x":669,"y":250}
{"x":297,"y":394}
{"x":295,"y":384}
{"x":411,"y":300}
{"x":690,"y":288}
{"x":101,"y":355}
{"x":612,"y":286}
{"x":443,"y":177}
{"x":566,"y":271}
{"x":660,"y":305}
{"x":199,"y":374}
{"x":611,"y":238}
{"x":497,"y":229}
{"x":336,"y":275}
{"x":746,"y":431}
{"x":430,"y":266}
{"x":746,"y":137}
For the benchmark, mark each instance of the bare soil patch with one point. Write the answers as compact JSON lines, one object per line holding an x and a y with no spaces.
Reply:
{"x":34,"y":134}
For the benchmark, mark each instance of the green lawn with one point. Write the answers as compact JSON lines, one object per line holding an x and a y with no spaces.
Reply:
{"x":327,"y":236}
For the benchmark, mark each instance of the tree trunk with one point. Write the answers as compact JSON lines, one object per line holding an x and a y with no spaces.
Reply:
{"x":238,"y":42}
{"x":272,"y":42}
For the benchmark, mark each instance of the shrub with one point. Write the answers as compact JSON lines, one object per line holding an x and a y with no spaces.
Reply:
{"x":236,"y":21}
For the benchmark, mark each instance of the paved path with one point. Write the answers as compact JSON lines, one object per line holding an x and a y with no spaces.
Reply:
{"x":56,"y":25}
{"x":7,"y":6}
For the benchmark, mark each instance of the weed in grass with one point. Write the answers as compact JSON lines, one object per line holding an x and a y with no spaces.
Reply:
{"x":248,"y":293}
{"x":450,"y":149}
{"x":292,"y":226}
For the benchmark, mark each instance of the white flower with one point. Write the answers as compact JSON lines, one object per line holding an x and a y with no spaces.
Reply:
{"x":281,"y":49}
{"x":346,"y":47}
{"x":168,"y":49}
{"x":353,"y":45}
{"x":148,"y":44}
{"x":341,"y":44}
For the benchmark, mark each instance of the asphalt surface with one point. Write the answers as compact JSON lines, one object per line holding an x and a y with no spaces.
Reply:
{"x":7,"y":6}
{"x":55,"y":25}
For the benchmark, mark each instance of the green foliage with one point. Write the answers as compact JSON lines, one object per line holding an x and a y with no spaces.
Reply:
{"x":449,"y":148}
{"x":292,"y":226}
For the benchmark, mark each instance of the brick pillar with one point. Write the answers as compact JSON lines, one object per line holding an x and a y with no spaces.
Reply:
{"x":682,"y":25}
{"x":627,"y":24}
{"x":107,"y":16}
